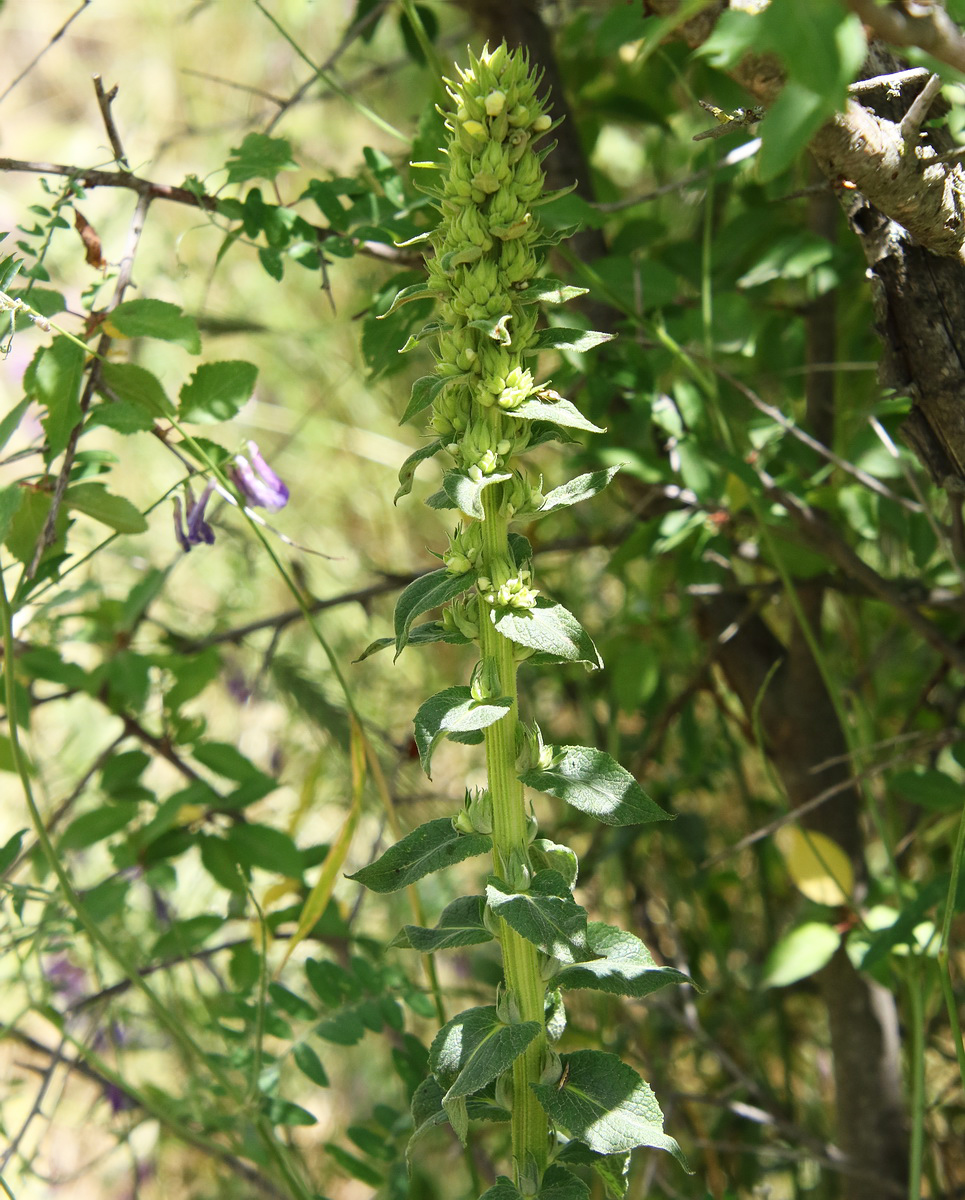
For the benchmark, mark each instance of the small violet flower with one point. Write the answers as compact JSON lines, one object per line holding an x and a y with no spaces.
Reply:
{"x":257,"y":482}
{"x":197,"y":529}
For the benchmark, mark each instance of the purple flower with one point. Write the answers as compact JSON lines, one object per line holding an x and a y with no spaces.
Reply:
{"x":257,"y":482}
{"x":66,"y":979}
{"x":197,"y":529}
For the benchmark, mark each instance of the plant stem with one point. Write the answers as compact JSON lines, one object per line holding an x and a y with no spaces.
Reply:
{"x":510,"y":834}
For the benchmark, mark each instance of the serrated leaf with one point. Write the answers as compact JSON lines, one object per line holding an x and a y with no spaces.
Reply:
{"x":595,"y":783}
{"x":429,"y":848}
{"x":453,"y":711}
{"x":217,"y":391}
{"x":624,"y":966}
{"x":546,"y":915}
{"x":549,"y":291}
{"x":156,"y":319}
{"x":466,"y":493}
{"x":259,"y":157}
{"x":556,"y":338}
{"x":800,"y":953}
{"x":426,"y":592}
{"x":551,"y":630}
{"x":424,"y":391}
{"x":605,"y":1104}
{"x":53,"y":379}
{"x":460,"y":924}
{"x":560,"y":1184}
{"x":127,"y":381}
{"x":560,"y":412}
{"x":611,"y":1168}
{"x":94,"y":500}
{"x":821,"y":870}
{"x":583,"y":487}
{"x":474,"y":1048}
{"x":408,"y":469}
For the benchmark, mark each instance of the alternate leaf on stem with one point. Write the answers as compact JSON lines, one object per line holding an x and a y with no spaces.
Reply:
{"x":595,"y":783}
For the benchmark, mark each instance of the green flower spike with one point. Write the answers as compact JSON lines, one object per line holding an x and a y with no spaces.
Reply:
{"x":486,"y":408}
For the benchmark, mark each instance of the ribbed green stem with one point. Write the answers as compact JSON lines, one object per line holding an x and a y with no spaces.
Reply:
{"x":510,"y":833}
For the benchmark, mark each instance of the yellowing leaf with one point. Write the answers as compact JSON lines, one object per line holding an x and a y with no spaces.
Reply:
{"x":818,"y":866}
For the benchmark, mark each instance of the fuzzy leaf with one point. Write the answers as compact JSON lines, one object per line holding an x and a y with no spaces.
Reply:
{"x":474,"y":1048}
{"x":624,"y":967}
{"x":560,"y":412}
{"x":428,"y":591}
{"x":94,"y":500}
{"x":551,"y":630}
{"x":460,"y":924}
{"x":583,"y":487}
{"x":556,"y":338}
{"x":546,"y":915}
{"x":466,"y":493}
{"x":408,"y":469}
{"x":595,"y":783}
{"x":549,"y":291}
{"x":421,"y":635}
{"x":427,"y":849}
{"x":605,"y":1104}
{"x":558,"y":1184}
{"x":424,"y":391}
{"x":416,"y":291}
{"x":453,"y":711}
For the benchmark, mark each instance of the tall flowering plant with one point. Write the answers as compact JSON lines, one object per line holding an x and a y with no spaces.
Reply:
{"x":500,"y":1062}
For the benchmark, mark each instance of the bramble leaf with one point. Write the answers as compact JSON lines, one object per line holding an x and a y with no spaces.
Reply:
{"x":94,"y":500}
{"x":427,"y":849}
{"x":156,"y":319}
{"x":217,"y":391}
{"x":595,"y":783}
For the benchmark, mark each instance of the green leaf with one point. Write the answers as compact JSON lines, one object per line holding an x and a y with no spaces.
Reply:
{"x":266,"y":847}
{"x":94,"y":500}
{"x":624,"y":966}
{"x":547,"y":855}
{"x":156,"y":319}
{"x":466,"y":493}
{"x":122,"y":417}
{"x":11,"y":848}
{"x":502,"y":1189}
{"x":560,"y":1184}
{"x":94,"y":826}
{"x":551,"y":630}
{"x":791,"y":121}
{"x":11,"y":498}
{"x":259,"y":157}
{"x":453,"y":711}
{"x":427,"y":849}
{"x":583,"y":487}
{"x":53,"y":379}
{"x":310,"y":1064}
{"x":10,"y":423}
{"x":421,"y":635}
{"x":595,"y":783}
{"x":611,"y":1168}
{"x":424,"y":391}
{"x":416,"y":291}
{"x":605,"y":1104}
{"x":549,"y":291}
{"x":800,"y":953}
{"x":460,"y":924}
{"x":930,"y":788}
{"x":546,"y":915}
{"x":560,"y":412}
{"x":426,"y":592}
{"x":217,"y":391}
{"x":556,"y":338}
{"x":474,"y":1048}
{"x":408,"y":469}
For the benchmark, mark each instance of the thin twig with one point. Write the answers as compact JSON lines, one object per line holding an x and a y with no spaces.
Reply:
{"x":104,"y":102}
{"x":37,"y":57}
{"x":914,"y":118}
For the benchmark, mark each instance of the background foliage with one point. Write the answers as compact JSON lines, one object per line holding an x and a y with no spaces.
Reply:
{"x":202,"y":1003}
